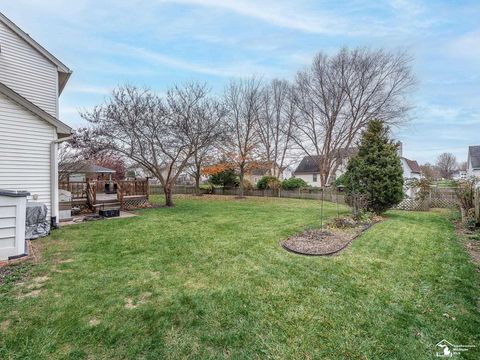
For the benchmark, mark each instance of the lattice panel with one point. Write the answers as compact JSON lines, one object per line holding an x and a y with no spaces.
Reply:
{"x":131,"y":204}
{"x":413,"y":205}
{"x":443,"y":203}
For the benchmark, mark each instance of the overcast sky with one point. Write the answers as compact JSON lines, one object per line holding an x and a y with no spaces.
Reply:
{"x":159,"y":43}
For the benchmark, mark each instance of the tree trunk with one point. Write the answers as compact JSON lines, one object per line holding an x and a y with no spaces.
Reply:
{"x":240,"y":194}
{"x":167,"y":189}
{"x":197,"y":184}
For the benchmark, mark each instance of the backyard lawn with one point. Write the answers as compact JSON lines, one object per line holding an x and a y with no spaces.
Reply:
{"x":208,"y":279}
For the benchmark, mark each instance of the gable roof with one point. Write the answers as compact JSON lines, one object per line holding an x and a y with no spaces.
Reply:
{"x":63,"y":71}
{"x":63,"y":130}
{"x":311,"y":164}
{"x":85,"y":167}
{"x":413,"y":165}
{"x":474,"y":156}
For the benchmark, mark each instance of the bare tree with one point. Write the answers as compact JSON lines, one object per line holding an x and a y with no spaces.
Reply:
{"x":429,"y":171}
{"x":242,"y":103}
{"x":156,"y":133}
{"x":209,"y":132}
{"x":339,"y":94}
{"x":462,"y":166}
{"x":446,"y":164}
{"x":275,"y":125}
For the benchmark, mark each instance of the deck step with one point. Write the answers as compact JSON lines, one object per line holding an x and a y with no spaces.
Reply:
{"x":107,"y":204}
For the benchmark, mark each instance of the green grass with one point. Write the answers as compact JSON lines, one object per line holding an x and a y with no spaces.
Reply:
{"x":207,"y":279}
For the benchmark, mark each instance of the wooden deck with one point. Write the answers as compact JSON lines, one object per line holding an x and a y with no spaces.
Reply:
{"x":129,"y":195}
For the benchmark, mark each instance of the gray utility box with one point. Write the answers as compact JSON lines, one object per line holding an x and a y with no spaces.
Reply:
{"x":12,"y":223}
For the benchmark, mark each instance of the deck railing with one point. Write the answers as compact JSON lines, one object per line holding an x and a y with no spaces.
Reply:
{"x":127,"y":190}
{"x":78,"y":189}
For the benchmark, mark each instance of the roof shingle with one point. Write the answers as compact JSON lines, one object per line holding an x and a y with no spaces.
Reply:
{"x":474,"y":155}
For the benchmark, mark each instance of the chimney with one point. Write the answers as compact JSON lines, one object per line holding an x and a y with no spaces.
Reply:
{"x":400,"y":149}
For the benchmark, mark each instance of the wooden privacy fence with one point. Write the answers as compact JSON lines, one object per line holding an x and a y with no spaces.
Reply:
{"x":438,"y":198}
{"x":328,"y":195}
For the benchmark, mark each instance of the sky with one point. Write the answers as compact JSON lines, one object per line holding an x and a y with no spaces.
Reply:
{"x":159,"y":43}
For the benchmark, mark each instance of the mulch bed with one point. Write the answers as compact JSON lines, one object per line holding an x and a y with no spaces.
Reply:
{"x":318,"y":242}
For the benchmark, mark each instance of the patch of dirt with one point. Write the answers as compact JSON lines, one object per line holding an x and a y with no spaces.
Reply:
{"x":94,"y":322}
{"x":322,"y":242}
{"x":33,"y":293}
{"x":130,"y":304}
{"x":66,"y":261}
{"x":40,"y":279}
{"x":4,"y":325}
{"x":144,"y":297}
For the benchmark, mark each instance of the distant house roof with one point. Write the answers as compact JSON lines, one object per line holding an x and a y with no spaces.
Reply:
{"x":85,"y":168}
{"x":311,"y":164}
{"x":474,"y":156}
{"x":413,"y":165}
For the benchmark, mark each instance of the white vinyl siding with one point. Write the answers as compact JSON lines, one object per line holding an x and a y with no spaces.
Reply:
{"x":25,"y":141}
{"x":27,"y":72}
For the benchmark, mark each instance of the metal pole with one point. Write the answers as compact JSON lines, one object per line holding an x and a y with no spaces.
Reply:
{"x":321,"y":210}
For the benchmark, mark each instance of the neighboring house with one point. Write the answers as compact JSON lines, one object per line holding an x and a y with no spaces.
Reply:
{"x":83,"y":172}
{"x":411,"y":169}
{"x":459,"y":175}
{"x":260,"y":169}
{"x":309,"y":167}
{"x":31,"y":80}
{"x":473,"y":161}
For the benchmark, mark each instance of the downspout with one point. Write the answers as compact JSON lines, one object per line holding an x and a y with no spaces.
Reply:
{"x":54,"y":180}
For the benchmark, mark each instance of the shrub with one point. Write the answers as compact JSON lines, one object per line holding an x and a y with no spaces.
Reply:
{"x":376,"y":171}
{"x":340,"y":180}
{"x":207,"y":187}
{"x":268,"y":182}
{"x":247,"y":185}
{"x":225,"y":178}
{"x":293,"y":183}
{"x":466,"y":193}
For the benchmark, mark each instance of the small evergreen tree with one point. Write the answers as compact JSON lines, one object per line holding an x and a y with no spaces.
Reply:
{"x":226,"y":178}
{"x":376,"y":171}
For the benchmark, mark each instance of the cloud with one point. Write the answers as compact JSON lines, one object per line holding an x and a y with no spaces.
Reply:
{"x":231,"y":69}
{"x":467,"y":46}
{"x":286,"y":16}
{"x":89,"y":89}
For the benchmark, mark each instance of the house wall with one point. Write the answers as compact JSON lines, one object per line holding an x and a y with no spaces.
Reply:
{"x":474,"y":172}
{"x":308,"y":178}
{"x":27,"y":72}
{"x":470,"y":170}
{"x":407,"y":172}
{"x":25,"y":151}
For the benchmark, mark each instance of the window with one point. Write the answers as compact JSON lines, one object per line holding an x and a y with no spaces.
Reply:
{"x":314,"y":177}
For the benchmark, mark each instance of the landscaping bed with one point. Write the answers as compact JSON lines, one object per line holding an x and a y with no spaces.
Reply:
{"x":329,"y":241}
{"x":317,"y":242}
